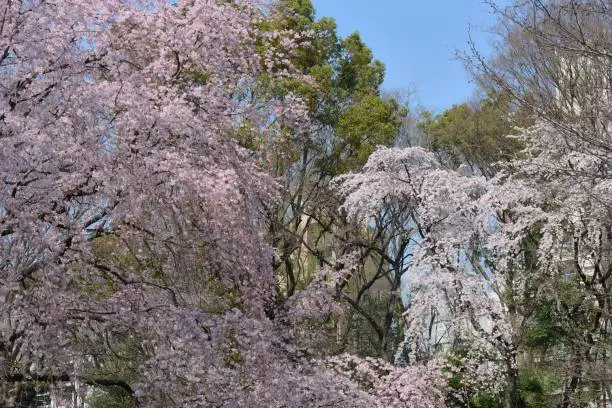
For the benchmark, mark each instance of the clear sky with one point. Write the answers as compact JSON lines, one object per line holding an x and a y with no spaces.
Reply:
{"x":417,"y":40}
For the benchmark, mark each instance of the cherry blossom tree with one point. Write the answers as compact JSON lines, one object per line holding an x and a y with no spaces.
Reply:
{"x":450,"y":294}
{"x":488,"y":255}
{"x":554,"y":59}
{"x":133,"y":258}
{"x":556,"y":221}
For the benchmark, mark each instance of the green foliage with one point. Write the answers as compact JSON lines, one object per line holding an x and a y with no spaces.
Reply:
{"x":198,"y":77}
{"x":114,"y":254}
{"x":463,"y":394}
{"x":110,"y":397}
{"x":109,"y":249}
{"x":358,"y":71}
{"x":118,"y":359}
{"x":348,"y":119}
{"x":343,"y":97}
{"x":32,"y":395}
{"x":486,"y":400}
{"x":536,"y":386}
{"x":233,"y":356}
{"x":544,"y":330}
{"x":476,"y":134}
{"x":363,"y":126}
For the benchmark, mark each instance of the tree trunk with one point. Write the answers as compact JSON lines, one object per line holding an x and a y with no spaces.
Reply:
{"x":512,"y":399}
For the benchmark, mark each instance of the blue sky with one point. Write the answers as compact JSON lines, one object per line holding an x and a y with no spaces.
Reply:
{"x":417,"y":40}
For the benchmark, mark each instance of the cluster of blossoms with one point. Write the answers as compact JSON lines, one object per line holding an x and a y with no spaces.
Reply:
{"x":131,"y":251}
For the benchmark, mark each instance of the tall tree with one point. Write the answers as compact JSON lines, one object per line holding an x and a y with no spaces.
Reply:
{"x":477,"y":135}
{"x":348,"y":118}
{"x":554,"y":58}
{"x":132,"y":257}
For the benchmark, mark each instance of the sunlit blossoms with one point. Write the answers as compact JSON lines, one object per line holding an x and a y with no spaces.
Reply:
{"x":193,"y":213}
